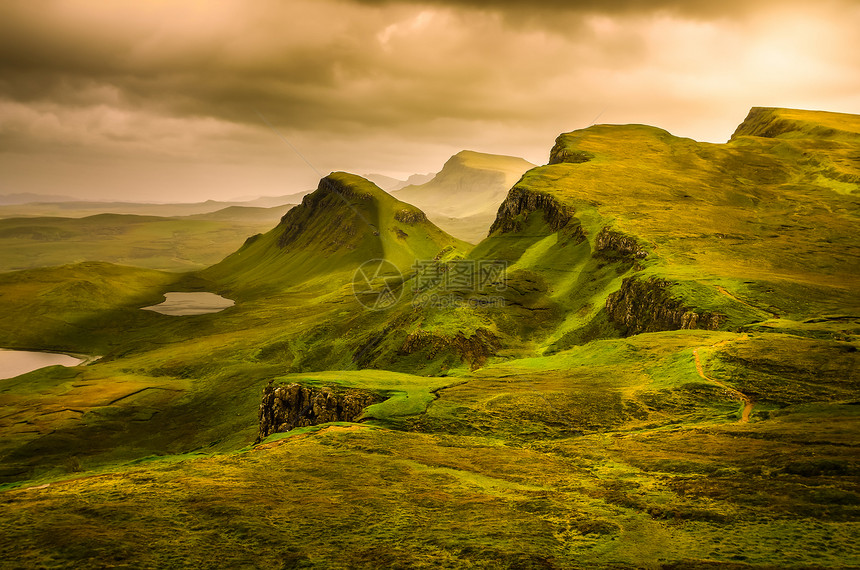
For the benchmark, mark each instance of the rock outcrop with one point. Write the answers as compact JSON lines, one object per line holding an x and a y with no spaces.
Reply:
{"x":294,"y":405}
{"x":329,"y":200}
{"x":560,"y":154}
{"x":520,"y":201}
{"x":614,"y":243}
{"x":648,"y":306}
{"x":342,"y":211}
{"x":410,"y":216}
{"x":474,"y":349}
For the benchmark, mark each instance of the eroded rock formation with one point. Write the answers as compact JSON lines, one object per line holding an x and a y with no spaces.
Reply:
{"x":330,"y":200}
{"x":410,"y":216}
{"x":520,"y":201}
{"x":648,"y":306}
{"x":474,"y":349}
{"x":560,"y":153}
{"x":616,"y":243}
{"x":295,"y":405}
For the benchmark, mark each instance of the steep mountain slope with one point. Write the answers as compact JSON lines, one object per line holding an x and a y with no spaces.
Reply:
{"x":701,"y":235}
{"x":346,"y":222}
{"x":462,"y":198}
{"x":161,"y":377}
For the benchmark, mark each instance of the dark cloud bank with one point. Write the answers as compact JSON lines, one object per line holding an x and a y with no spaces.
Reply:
{"x":159,"y":100}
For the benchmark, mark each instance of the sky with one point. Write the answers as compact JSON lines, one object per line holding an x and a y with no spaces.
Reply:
{"x":181,"y":101}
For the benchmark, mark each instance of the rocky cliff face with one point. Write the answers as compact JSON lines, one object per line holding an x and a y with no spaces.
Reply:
{"x":473,"y":349}
{"x":410,"y":216}
{"x":614,"y":243}
{"x":329,"y":200}
{"x":294,"y":405}
{"x":560,"y":154}
{"x":521,"y":200}
{"x":342,"y":211}
{"x":648,"y":306}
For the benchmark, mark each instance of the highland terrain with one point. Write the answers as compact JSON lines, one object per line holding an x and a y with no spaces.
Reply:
{"x":649,"y":360}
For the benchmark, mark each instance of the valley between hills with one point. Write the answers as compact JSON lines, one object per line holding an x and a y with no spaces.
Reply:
{"x":643,"y":354}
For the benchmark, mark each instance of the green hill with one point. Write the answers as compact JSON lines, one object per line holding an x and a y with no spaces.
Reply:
{"x":753,"y":230}
{"x":799,"y":124}
{"x":464,"y":196}
{"x":344,"y":223}
{"x":249,"y":214}
{"x":664,"y":375}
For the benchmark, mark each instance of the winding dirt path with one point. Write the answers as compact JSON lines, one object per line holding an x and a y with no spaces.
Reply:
{"x":748,"y":402}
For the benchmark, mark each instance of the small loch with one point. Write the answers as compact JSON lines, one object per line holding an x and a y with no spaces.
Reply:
{"x":184,"y":304}
{"x":16,"y":362}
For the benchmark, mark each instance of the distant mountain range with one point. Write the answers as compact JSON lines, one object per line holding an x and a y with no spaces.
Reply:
{"x":43,"y":230}
{"x":178,"y":243}
{"x":42,"y":206}
{"x":390,"y":184}
{"x":29,"y":198}
{"x":464,"y":197}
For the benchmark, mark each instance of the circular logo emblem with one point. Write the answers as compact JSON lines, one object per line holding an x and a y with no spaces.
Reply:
{"x":377,"y":284}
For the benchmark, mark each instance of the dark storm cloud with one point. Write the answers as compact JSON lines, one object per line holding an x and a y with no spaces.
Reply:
{"x":371,"y":85}
{"x":339,"y":77}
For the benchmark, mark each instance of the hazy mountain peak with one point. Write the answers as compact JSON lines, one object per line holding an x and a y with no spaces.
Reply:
{"x":464,"y":196}
{"x":485,"y":161}
{"x":390,"y":184}
{"x":387,"y":183}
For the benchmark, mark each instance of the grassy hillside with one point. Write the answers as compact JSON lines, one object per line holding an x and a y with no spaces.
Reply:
{"x":345,"y":222}
{"x":169,"y":244}
{"x":664,"y":376}
{"x":464,"y":196}
{"x":799,"y":124}
{"x":754,"y":230}
{"x":246,"y":214}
